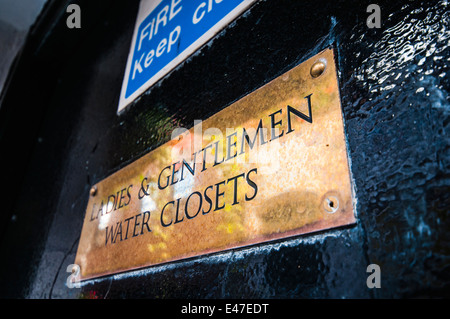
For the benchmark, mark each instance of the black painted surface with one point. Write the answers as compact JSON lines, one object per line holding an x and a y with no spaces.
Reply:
{"x":394,"y":90}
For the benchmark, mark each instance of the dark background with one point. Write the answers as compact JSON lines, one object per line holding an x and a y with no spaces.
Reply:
{"x":60,"y":134}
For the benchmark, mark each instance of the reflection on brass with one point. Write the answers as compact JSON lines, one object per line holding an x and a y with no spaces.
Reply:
{"x":269,"y":166}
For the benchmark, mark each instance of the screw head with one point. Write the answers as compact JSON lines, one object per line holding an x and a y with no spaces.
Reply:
{"x":318,"y":68}
{"x":331,"y":204}
{"x":93,"y":190}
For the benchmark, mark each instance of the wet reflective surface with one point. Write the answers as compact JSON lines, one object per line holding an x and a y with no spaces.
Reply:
{"x":397,"y":110}
{"x":394,"y":88}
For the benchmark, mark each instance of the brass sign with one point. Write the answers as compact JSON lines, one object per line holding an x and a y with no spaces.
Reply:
{"x":271,"y":165}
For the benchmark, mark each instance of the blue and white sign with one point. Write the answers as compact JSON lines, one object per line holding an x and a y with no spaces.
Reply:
{"x":169,"y":31}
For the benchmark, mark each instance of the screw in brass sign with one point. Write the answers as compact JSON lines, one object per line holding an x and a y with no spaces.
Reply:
{"x":270,"y":166}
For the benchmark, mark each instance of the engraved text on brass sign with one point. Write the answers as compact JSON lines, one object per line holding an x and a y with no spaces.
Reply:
{"x":271,"y":165}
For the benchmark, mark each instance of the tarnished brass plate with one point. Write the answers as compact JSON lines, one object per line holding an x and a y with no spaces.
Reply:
{"x":271,"y":165}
